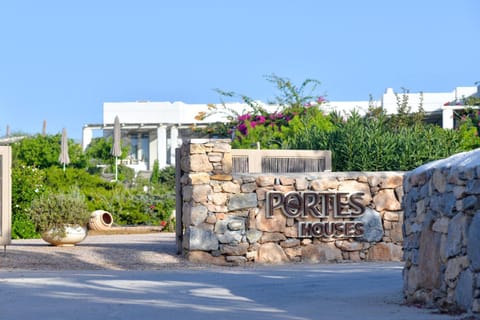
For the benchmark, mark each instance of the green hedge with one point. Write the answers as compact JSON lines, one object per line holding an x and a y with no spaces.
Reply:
{"x":138,"y":203}
{"x":371,"y":144}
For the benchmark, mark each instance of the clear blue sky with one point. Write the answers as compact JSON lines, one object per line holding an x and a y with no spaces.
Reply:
{"x":60,"y":60}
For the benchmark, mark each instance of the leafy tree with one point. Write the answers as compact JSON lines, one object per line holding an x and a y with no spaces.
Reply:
{"x":98,"y":152}
{"x":100,"y":149}
{"x":43,"y":151}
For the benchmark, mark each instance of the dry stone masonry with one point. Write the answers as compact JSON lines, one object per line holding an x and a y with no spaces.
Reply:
{"x":226,"y":220}
{"x":442,"y":233}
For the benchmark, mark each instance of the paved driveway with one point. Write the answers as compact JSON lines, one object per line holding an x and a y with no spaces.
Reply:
{"x":185,"y":291}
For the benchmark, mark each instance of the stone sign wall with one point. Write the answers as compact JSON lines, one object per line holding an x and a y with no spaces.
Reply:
{"x":442,"y":233}
{"x":226,"y":219}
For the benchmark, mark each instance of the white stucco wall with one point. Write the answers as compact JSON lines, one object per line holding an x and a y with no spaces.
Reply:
{"x":161,"y":112}
{"x":432,"y":101}
{"x":182,"y":113}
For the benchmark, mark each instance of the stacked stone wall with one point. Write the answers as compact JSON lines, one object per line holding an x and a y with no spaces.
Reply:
{"x":224,"y":214}
{"x":442,"y":234}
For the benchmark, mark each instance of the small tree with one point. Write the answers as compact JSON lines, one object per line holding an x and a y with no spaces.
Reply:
{"x":99,"y":149}
{"x":98,"y":152}
{"x":404,"y":116}
{"x":42,"y":152}
{"x":155,"y":172}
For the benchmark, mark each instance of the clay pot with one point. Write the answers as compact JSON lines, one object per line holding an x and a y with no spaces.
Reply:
{"x":100,"y":220}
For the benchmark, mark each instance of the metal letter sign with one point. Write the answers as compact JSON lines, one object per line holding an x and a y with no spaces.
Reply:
{"x":335,"y":211}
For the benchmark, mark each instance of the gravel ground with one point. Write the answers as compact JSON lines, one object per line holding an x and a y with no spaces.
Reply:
{"x":151,"y":251}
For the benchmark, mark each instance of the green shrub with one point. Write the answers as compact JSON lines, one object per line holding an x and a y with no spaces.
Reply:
{"x":420,"y":144}
{"x":373,"y":144}
{"x":141,"y":205}
{"x":359,"y":144}
{"x":166,"y":178}
{"x":308,"y":131}
{"x":469,"y":128}
{"x":99,"y":151}
{"x":125,"y":173}
{"x":53,"y":211}
{"x":23,"y":227}
{"x":378,"y":142}
{"x":131,"y":202}
{"x":43,"y":151}
{"x":155,"y":172}
{"x":28,"y":183}
{"x":58,"y":180}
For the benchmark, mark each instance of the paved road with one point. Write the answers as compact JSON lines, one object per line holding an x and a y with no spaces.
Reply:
{"x":347,"y":291}
{"x":333,"y":291}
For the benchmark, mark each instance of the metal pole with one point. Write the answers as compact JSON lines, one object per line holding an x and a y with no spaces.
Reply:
{"x":116,"y":168}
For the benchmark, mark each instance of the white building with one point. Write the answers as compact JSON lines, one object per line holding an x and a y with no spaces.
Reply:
{"x":154,"y":129}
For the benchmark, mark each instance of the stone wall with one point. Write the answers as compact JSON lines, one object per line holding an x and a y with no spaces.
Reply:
{"x":442,"y":233}
{"x":224,"y":214}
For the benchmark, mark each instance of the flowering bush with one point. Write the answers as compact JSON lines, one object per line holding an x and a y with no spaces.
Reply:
{"x":273,"y":130}
{"x":264,"y":128}
{"x":256,"y":126}
{"x":468,"y":124}
{"x":161,"y":210}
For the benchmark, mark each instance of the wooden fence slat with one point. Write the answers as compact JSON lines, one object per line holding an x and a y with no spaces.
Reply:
{"x":280,"y":161}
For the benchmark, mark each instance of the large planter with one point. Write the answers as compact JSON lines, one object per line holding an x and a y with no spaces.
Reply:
{"x":73,"y":235}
